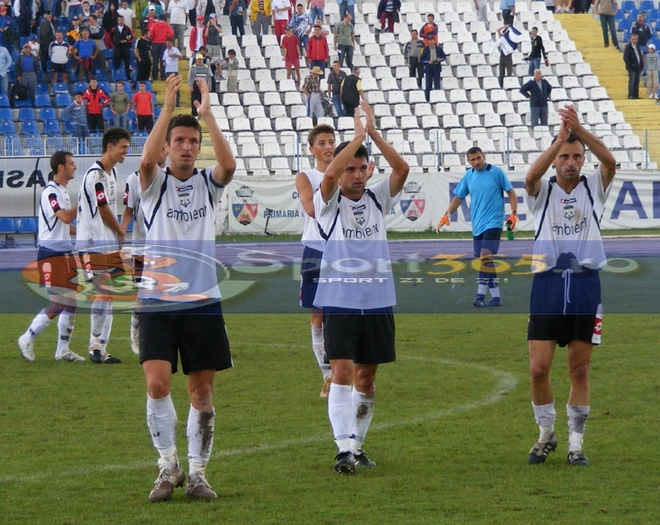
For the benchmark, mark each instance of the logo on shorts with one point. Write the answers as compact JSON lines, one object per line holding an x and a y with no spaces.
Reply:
{"x":183,"y":192}
{"x":245,"y":205}
{"x":413,"y":202}
{"x":358,"y":213}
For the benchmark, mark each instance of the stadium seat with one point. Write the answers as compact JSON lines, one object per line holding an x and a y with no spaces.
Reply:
{"x":6,"y":114}
{"x":29,"y":126}
{"x":51,"y":127}
{"x":6,"y":127}
{"x":62,"y":100}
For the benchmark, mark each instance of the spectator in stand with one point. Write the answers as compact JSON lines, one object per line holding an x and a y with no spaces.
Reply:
{"x":199,"y":71}
{"x":122,"y":38}
{"x":178,"y":11}
{"x":6,"y":30}
{"x":237,"y":10}
{"x":160,"y":33}
{"x":388,"y":11}
{"x":97,"y":34}
{"x":345,"y":40}
{"x":197,"y":36}
{"x":292,"y":53}
{"x":231,"y":65}
{"x":536,"y":53}
{"x":634,"y":60}
{"x":315,"y":9}
{"x":76,"y":114}
{"x":170,"y":59}
{"x":509,"y":38}
{"x":46,"y":38}
{"x":5,"y":64}
{"x":652,"y":67}
{"x":481,"y":7}
{"x":73,"y":34}
{"x":143,"y":52}
{"x":28,"y":69}
{"x":281,"y":16}
{"x":75,"y":8}
{"x":143,"y":105}
{"x":129,"y":15}
{"x":508,"y":8}
{"x":346,"y":6}
{"x":429,"y":30}
{"x":156,"y":6}
{"x":606,"y":9}
{"x":412,"y":52}
{"x":148,"y":22}
{"x":260,"y":14}
{"x":192,"y":11}
{"x":24,"y":17}
{"x":311,"y":88}
{"x":120,"y":103}
{"x":95,"y":99}
{"x":35,"y":48}
{"x":109,"y":21}
{"x":432,"y":57}
{"x":213,"y":34}
{"x":58,"y":52}
{"x":538,"y":92}
{"x":84,"y":52}
{"x":85,"y":14}
{"x":335,"y":79}
{"x":351,"y":92}
{"x":318,"y":53}
{"x":301,"y":27}
{"x":643,"y":31}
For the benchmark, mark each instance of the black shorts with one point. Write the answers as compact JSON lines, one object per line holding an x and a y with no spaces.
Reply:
{"x":488,"y":239}
{"x":364,"y":336}
{"x":57,"y":270}
{"x":59,"y":68}
{"x":310,"y":269}
{"x":198,"y":335}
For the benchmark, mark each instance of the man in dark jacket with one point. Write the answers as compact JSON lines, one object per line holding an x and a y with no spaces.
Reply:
{"x":351,"y":92}
{"x":634,"y":60}
{"x":122,"y":38}
{"x":432,"y":57}
{"x":46,"y":37}
{"x":537,"y":91}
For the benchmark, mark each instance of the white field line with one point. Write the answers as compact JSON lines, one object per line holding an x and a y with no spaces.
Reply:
{"x":506,"y":383}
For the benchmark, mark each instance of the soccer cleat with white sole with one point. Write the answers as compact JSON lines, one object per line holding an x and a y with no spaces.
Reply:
{"x":199,"y":488}
{"x":541,"y":449}
{"x":577,"y":459}
{"x":345,"y":462}
{"x":27,"y":347}
{"x":69,"y":356}
{"x":168,"y":479}
{"x":361,"y":460}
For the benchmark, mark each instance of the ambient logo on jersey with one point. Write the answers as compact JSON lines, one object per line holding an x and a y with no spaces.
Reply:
{"x":183,"y":193}
{"x":245,"y":206}
{"x":413,"y":202}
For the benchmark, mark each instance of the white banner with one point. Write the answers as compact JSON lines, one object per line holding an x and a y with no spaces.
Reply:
{"x":634,"y":200}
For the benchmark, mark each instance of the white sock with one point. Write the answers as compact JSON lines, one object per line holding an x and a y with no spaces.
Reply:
{"x":64,"y":331}
{"x":545,"y":416}
{"x":38,"y":324}
{"x":341,"y":415}
{"x":363,"y":406}
{"x":162,"y":423}
{"x":318,"y":346}
{"x":97,"y":321}
{"x":107,"y":328}
{"x":577,"y":421}
{"x":494,"y":291}
{"x":200,"y":439}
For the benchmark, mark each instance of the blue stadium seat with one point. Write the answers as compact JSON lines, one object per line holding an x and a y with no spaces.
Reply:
{"x":23,"y":103}
{"x":6,"y":114}
{"x":646,"y":5}
{"x":628,"y":5}
{"x":42,"y":87}
{"x":100,"y":75}
{"x":4,"y":101}
{"x":27,"y":225}
{"x":624,"y":24}
{"x":652,"y":17}
{"x":60,"y":87}
{"x":107,"y":114}
{"x":105,"y":86}
{"x":7,"y":226}
{"x":80,"y":86}
{"x":62,"y":100}
{"x":7,"y":126}
{"x":29,"y":127}
{"x":51,"y":127}
{"x":42,"y":100}
{"x":47,"y":113}
{"x":118,"y":74}
{"x":26,"y":114}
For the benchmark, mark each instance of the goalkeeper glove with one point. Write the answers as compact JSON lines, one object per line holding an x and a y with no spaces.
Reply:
{"x":513,"y":220}
{"x":444,"y":221}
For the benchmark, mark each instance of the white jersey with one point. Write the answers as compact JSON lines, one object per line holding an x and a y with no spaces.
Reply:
{"x":53,"y":233}
{"x":98,"y":188}
{"x":356,"y":271}
{"x":311,"y":236}
{"x":132,"y":201}
{"x":569,"y":223}
{"x":179,"y":217}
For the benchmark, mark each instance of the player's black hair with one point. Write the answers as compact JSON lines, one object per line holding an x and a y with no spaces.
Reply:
{"x":474,"y":150}
{"x":59,"y":159}
{"x":572,"y":137}
{"x":185,"y":121}
{"x":361,"y":152}
{"x":113,"y":135}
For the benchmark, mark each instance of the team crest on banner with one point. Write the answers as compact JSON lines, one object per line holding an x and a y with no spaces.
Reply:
{"x":358,"y":213}
{"x":245,"y":206}
{"x":413,"y":201}
{"x":183,"y":193}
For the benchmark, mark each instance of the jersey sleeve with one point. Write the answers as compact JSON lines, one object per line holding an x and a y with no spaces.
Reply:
{"x":325,"y":212}
{"x":536,"y":203}
{"x":54,"y":202}
{"x":382,"y":192}
{"x":462,"y":190}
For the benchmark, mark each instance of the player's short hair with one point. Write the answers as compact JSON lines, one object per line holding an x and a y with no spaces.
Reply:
{"x":361,"y":153}
{"x":184,"y":121}
{"x":572,"y":137}
{"x":59,"y":158}
{"x":113,"y":135}
{"x":317,"y":130}
{"x":474,"y":150}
